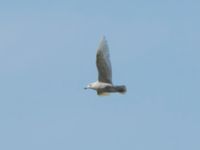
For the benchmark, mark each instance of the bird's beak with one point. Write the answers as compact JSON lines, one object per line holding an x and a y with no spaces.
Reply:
{"x":85,"y":88}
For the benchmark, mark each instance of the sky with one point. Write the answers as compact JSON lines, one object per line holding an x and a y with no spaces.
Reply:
{"x":47,"y":56}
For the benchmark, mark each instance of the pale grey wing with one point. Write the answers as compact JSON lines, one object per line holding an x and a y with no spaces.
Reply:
{"x":103,"y":62}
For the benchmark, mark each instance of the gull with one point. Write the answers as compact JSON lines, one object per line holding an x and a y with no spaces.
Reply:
{"x":104,"y":84}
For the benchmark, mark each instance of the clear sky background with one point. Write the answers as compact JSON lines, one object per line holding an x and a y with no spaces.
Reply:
{"x":47,"y":57}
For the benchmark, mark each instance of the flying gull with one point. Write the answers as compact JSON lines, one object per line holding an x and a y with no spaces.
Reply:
{"x":104,"y":85}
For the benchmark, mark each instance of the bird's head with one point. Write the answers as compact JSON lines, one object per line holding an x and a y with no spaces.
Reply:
{"x":89,"y":86}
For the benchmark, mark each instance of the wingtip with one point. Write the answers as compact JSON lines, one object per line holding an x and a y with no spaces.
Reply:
{"x":103,"y":38}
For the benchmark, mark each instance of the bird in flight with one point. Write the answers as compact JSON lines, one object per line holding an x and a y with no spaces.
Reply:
{"x":104,"y":85}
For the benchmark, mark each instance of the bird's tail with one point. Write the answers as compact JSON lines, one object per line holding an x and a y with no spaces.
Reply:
{"x":120,"y":88}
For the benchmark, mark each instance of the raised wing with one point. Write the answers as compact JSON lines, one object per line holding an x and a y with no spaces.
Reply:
{"x":103,"y":62}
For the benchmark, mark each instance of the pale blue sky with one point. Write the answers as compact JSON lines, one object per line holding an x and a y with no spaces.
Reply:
{"x":47,"y":56}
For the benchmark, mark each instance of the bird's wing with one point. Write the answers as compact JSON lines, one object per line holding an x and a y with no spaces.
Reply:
{"x":103,"y":62}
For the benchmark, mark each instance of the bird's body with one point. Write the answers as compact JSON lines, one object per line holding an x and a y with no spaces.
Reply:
{"x":104,"y":84}
{"x":99,"y":85}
